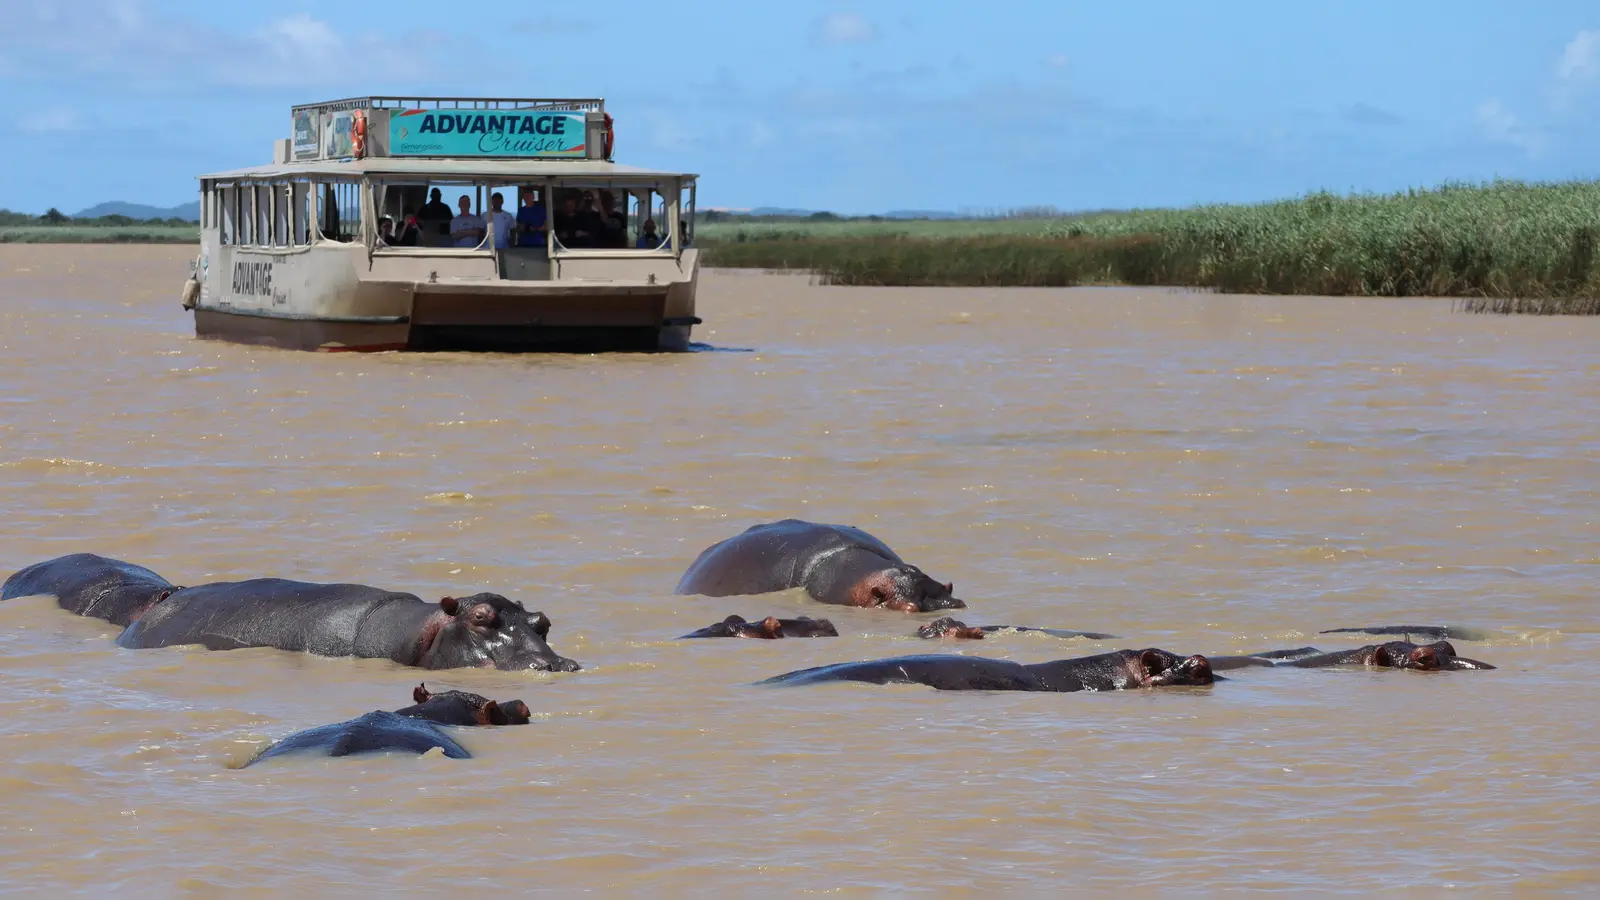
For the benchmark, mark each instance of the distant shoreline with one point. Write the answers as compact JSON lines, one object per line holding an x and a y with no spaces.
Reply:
{"x":1506,"y":247}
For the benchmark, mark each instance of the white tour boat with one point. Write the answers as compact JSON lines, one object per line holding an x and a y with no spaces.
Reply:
{"x":443,"y":223}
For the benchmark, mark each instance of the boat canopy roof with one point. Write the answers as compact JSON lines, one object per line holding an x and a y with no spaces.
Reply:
{"x":510,"y":170}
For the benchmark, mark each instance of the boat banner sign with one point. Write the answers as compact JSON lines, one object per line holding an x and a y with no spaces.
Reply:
{"x":305,"y":134}
{"x":338,"y":133}
{"x":530,"y":134}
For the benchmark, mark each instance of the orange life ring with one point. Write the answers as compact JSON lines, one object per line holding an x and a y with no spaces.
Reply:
{"x":610,"y":135}
{"x":358,"y":132}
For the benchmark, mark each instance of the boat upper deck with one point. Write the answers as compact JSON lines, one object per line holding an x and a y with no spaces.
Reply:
{"x":510,"y":170}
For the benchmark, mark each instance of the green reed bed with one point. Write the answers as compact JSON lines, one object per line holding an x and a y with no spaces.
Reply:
{"x":1504,"y":247}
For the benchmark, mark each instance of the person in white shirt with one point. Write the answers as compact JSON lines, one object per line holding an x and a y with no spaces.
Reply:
{"x":504,"y":223}
{"x":467,"y":230}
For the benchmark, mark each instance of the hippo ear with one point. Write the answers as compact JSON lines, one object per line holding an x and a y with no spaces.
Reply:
{"x":420,"y":694}
{"x":541,"y":625}
{"x":493,"y":714}
{"x":1154,"y":661}
{"x":950,"y":587}
{"x":771,"y":627}
{"x":449,"y":605}
{"x":165,"y":594}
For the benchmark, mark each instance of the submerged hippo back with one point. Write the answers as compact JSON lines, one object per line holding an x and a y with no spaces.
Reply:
{"x":774,"y":557}
{"x":375,"y":732}
{"x":943,"y":672}
{"x":92,"y":585}
{"x":325,"y":619}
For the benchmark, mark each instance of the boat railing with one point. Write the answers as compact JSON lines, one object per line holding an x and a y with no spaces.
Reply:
{"x":554,"y":104}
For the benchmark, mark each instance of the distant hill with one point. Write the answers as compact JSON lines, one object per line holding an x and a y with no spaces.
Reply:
{"x":189,"y":212}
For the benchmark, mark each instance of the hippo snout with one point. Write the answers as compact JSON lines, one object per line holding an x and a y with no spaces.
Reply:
{"x":559,"y":664}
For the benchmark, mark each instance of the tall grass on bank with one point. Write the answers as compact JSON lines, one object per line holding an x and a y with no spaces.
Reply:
{"x":1505,"y":247}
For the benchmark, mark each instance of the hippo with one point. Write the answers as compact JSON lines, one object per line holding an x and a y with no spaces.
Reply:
{"x":767,"y":629}
{"x":1431,"y":632}
{"x":953,"y":628}
{"x":1116,"y":671}
{"x":1437,"y":656}
{"x":413,"y":729}
{"x":836,"y":564}
{"x":483,"y":630}
{"x":93,"y":586}
{"x":462,"y":708}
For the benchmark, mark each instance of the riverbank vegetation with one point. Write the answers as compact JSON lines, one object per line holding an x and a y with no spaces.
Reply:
{"x":1504,"y":247}
{"x":55,"y":227}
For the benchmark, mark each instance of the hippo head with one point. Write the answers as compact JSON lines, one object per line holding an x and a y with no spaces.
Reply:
{"x":463,"y":708}
{"x":1162,"y":669}
{"x":767,"y":629}
{"x":950,"y":627}
{"x":488,"y":631}
{"x":1434,"y":657}
{"x":903,"y":587}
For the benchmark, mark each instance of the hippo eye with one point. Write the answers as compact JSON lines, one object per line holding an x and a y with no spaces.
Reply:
{"x":482,"y":615}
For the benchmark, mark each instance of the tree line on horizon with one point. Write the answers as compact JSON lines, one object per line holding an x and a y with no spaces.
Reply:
{"x":54,"y":218}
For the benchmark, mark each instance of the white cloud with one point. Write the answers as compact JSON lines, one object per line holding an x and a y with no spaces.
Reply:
{"x":60,"y":119}
{"x":130,"y":41}
{"x":1057,"y":61}
{"x":1580,"y":61}
{"x":301,"y":40}
{"x":1503,"y":126}
{"x":845,"y":28}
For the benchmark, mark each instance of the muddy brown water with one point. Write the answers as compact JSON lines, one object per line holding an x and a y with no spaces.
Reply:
{"x":1207,"y":474}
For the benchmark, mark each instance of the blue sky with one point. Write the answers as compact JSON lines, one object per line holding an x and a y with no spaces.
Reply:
{"x":852,"y":106}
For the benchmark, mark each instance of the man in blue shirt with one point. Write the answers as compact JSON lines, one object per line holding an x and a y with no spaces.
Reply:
{"x":530,"y":220}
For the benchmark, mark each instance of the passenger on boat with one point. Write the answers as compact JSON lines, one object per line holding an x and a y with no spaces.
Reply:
{"x":435,"y":216}
{"x":530,"y":220}
{"x":386,"y":231}
{"x":501,"y":220}
{"x":467,"y":229}
{"x":648,"y":239}
{"x":574,"y":228}
{"x":613,"y":224}
{"x":410,"y":232}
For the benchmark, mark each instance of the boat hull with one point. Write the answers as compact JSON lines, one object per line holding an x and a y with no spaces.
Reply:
{"x":375,"y":337}
{"x":332,"y":297}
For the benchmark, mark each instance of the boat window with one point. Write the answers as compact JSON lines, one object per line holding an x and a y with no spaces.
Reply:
{"x":300,"y":212}
{"x":686,"y":216}
{"x":610,"y":215}
{"x":339,"y":210}
{"x":647,"y":225}
{"x":280,"y":215}
{"x":264,"y":215}
{"x":247,"y":214}
{"x":228,"y":198}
